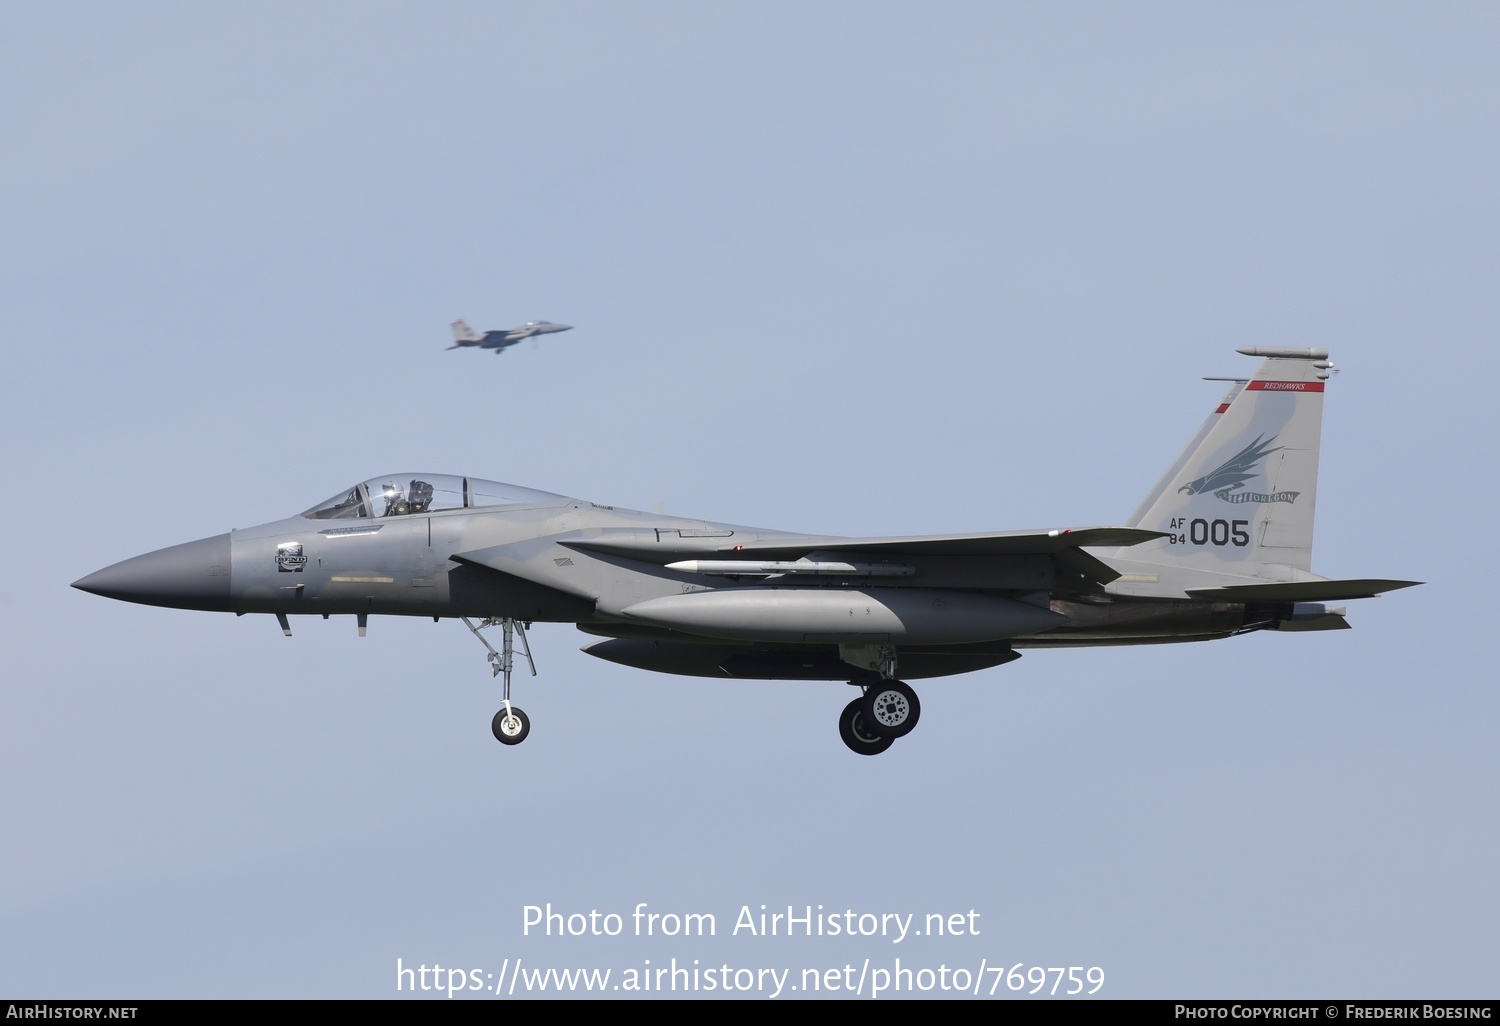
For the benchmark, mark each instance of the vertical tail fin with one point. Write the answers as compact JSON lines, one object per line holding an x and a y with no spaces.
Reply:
{"x":463,"y":333}
{"x":1242,"y":495}
{"x":1187,"y":452}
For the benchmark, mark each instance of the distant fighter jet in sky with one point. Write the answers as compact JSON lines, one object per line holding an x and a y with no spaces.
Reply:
{"x":465,"y":337}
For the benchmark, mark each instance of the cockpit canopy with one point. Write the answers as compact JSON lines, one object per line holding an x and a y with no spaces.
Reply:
{"x":397,"y":495}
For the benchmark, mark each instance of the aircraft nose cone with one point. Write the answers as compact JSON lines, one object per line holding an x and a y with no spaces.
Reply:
{"x":194,"y":575}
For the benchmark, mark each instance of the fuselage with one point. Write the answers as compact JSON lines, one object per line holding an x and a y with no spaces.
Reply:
{"x":444,"y":546}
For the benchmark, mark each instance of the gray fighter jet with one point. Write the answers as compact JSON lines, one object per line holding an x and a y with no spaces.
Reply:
{"x":1221,"y":545}
{"x":465,"y":337}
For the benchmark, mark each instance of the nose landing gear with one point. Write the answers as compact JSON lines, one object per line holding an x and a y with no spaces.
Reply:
{"x":510,"y":725}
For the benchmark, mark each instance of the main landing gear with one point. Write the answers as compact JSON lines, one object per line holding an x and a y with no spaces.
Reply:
{"x":510,"y":725}
{"x":886,"y":711}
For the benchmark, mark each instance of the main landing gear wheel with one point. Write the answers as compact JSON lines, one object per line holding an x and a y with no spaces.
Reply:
{"x":856,"y":735}
{"x":891,"y":709}
{"x":510,"y":726}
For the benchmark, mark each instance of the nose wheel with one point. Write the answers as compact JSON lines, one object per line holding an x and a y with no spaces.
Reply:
{"x":510,"y":726}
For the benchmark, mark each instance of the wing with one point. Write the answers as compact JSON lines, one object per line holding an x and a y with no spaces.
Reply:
{"x":1007,"y":559}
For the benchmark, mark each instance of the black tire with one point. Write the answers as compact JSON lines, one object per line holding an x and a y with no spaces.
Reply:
{"x":856,"y":735}
{"x":891,"y":709}
{"x":512,"y":732}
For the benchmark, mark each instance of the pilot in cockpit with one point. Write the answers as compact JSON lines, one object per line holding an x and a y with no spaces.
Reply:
{"x":395,"y":503}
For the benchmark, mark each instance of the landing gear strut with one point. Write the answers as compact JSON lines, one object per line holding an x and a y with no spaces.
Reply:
{"x":510,"y":725}
{"x":886,"y":710}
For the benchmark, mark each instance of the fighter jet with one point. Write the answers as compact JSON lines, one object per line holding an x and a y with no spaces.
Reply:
{"x":465,"y":337}
{"x":1222,"y":545}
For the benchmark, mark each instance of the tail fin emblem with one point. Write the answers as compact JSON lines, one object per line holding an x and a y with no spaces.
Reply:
{"x":1232,"y":474}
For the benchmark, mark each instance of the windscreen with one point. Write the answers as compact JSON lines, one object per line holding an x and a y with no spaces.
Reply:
{"x":399,"y":495}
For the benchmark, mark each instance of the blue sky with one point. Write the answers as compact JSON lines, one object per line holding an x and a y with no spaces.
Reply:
{"x":857,"y":268}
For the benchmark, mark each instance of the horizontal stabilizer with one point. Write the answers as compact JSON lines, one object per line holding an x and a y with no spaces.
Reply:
{"x":1300,"y":591}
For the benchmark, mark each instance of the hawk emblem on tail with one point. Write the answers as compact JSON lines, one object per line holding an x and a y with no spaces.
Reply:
{"x":1235,"y":471}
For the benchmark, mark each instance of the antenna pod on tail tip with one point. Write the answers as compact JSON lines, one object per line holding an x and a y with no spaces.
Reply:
{"x":1284,"y":353}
